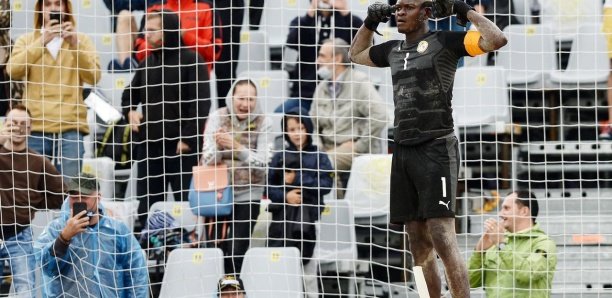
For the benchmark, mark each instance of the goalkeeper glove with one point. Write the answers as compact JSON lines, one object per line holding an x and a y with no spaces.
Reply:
{"x":378,"y":12}
{"x":461,"y":9}
{"x":445,"y":8}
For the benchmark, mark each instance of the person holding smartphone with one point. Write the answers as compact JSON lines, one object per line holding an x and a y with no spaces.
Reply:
{"x":84,"y":242}
{"x":28,"y":182}
{"x":54,"y":61}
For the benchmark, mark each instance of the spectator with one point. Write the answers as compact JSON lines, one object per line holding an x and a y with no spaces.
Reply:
{"x":54,"y":62}
{"x":231,"y":13}
{"x":230,"y":286}
{"x":514,"y":257}
{"x":89,"y":253}
{"x":28,"y":182}
{"x":172,"y":86}
{"x":10,"y":90}
{"x":325,"y":19}
{"x":298,"y":179}
{"x":348,"y":112}
{"x":238,"y":135}
{"x":125,"y":27}
{"x":196,"y":25}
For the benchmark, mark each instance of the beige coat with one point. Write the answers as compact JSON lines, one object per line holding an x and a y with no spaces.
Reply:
{"x":358,"y":114}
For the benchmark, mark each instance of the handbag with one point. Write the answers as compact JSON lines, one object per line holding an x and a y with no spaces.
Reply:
{"x":210,"y":194}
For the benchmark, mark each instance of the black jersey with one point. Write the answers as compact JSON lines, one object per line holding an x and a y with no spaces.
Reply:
{"x":423,"y":74}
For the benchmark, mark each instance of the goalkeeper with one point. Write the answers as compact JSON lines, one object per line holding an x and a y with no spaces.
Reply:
{"x":426,"y":159}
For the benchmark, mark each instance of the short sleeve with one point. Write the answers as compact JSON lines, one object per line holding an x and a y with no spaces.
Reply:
{"x":379,"y":54}
{"x":453,"y":40}
{"x":462,"y":43}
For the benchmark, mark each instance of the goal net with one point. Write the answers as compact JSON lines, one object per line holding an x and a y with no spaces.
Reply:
{"x":174,"y":105}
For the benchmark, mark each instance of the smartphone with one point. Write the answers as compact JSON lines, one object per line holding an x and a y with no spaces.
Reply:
{"x":78,"y":207}
{"x":56,"y":15}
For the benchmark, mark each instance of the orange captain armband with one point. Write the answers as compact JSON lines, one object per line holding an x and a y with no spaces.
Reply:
{"x":471,"y":43}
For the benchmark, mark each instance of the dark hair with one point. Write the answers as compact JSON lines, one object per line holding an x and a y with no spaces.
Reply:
{"x":19,"y":107}
{"x":243,"y":82}
{"x":528,"y":199}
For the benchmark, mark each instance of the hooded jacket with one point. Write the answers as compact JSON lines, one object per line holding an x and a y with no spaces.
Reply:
{"x":173,"y":87}
{"x":356,"y":113}
{"x":197,"y":19}
{"x":54,"y":87}
{"x":248,"y":166}
{"x":523,"y":268}
{"x":104,"y":261}
{"x":314,"y":174}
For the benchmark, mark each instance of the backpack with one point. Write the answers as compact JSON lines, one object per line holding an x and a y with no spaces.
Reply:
{"x":117,"y":144}
{"x":162,"y":235}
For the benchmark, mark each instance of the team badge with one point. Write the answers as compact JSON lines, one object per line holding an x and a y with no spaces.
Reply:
{"x":422,"y":46}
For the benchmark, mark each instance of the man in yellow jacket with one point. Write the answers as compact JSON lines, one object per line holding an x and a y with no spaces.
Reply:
{"x":54,"y":61}
{"x":514,"y":257}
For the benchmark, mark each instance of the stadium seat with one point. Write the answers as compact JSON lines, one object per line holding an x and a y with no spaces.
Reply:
{"x":368,"y":187}
{"x":254,"y":52}
{"x":192,"y":272}
{"x":522,"y":10}
{"x":478,"y":61}
{"x":359,"y":8}
{"x":214,"y":100}
{"x":41,"y":220}
{"x":104,"y":169}
{"x":337,"y":247}
{"x":181,"y":211}
{"x":272,"y":272}
{"x":565,"y":17}
{"x":276,"y":17}
{"x":480,"y":97}
{"x":277,"y":130}
{"x":124,"y":211}
{"x":529,"y":55}
{"x":588,"y":61}
{"x":94,"y":19}
{"x":273,"y":86}
{"x":22,"y":17}
{"x":112,"y":85}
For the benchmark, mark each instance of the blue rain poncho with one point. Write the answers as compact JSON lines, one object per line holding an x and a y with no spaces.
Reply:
{"x":104,"y":261}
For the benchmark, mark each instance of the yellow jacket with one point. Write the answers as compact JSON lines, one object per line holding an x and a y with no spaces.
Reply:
{"x":54,"y":88}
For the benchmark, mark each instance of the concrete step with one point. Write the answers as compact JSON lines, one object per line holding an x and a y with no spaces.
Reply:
{"x":561,"y":201}
{"x":583,"y":293}
{"x":560,"y":225}
{"x":583,"y":278}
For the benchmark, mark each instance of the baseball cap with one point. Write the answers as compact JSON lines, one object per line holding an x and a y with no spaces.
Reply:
{"x":85,"y":184}
{"x":230,"y":281}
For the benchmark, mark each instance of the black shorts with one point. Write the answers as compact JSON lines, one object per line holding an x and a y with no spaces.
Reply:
{"x":424,"y":180}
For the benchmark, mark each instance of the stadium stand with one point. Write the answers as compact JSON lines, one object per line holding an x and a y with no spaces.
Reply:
{"x":530,"y":121}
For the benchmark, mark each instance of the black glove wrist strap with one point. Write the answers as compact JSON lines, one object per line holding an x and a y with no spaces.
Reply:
{"x":371,"y":25}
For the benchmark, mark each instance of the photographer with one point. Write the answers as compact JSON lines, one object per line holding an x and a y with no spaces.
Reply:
{"x":55,"y":61}
{"x":86,"y":253}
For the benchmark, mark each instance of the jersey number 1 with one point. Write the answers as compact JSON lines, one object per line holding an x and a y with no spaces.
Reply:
{"x":406,"y":61}
{"x":443,"y":186}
